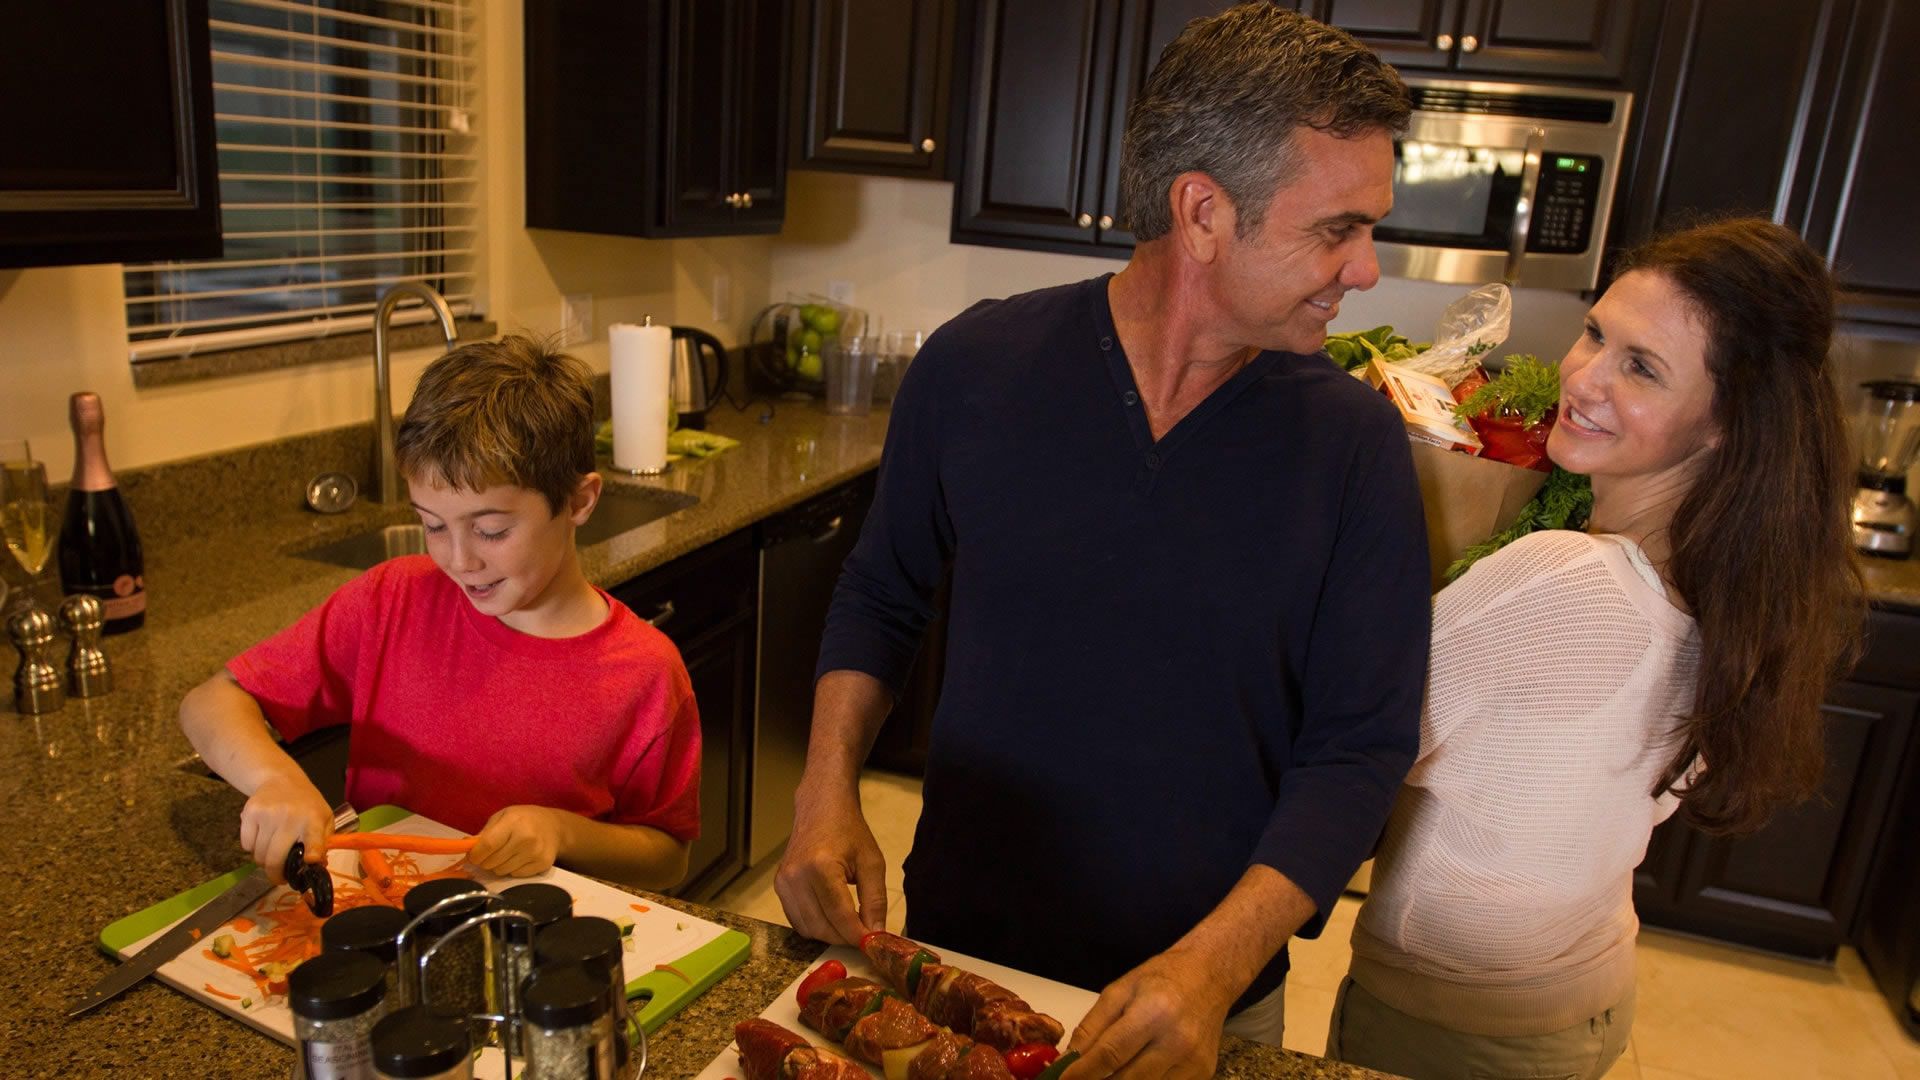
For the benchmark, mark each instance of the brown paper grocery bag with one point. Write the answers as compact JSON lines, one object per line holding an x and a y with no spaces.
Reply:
{"x":1467,"y":499}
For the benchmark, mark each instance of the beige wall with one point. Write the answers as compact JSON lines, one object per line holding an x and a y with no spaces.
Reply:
{"x":888,"y":238}
{"x":64,"y":328}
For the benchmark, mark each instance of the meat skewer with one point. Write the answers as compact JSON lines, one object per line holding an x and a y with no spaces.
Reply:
{"x":881,"y":1028}
{"x":771,"y":1052}
{"x":961,"y":1000}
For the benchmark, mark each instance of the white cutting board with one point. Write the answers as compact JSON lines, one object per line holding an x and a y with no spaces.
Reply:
{"x":661,"y":935}
{"x":1067,"y":1004}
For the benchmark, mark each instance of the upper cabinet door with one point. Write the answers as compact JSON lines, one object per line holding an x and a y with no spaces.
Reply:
{"x":1039,"y":91}
{"x":1147,"y":27}
{"x":759,"y":152}
{"x":873,"y":86}
{"x":110,"y":134}
{"x":696,"y":152}
{"x":1568,"y":39}
{"x":1862,"y":214}
{"x":1406,"y":33}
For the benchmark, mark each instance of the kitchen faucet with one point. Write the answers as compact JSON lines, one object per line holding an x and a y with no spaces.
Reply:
{"x":386,"y":473}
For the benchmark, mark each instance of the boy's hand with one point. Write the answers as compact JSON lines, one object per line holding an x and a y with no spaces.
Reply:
{"x":281,"y":810}
{"x":519,"y":841}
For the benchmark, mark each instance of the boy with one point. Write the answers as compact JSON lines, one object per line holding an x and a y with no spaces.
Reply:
{"x":490,"y":686}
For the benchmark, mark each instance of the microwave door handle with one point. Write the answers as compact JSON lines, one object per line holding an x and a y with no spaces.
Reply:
{"x":1523,"y":205}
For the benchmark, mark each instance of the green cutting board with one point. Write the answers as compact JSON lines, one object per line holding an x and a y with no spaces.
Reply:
{"x":665,"y":992}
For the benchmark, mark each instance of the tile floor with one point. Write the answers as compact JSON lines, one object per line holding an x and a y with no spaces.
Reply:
{"x":1705,"y":1011}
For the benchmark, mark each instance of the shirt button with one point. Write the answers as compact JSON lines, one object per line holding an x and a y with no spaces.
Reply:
{"x":1106,"y":344}
{"x":1153,"y":461}
{"x":1130,"y":398}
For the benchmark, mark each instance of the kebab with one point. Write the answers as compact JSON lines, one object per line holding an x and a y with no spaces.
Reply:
{"x":881,"y":1028}
{"x":771,"y":1052}
{"x":957,"y":999}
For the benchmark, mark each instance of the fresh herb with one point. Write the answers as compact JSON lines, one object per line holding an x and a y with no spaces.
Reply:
{"x":1355,"y":348}
{"x":1526,"y":389}
{"x":1565,"y":501}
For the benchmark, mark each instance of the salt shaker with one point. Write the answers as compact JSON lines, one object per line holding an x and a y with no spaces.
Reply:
{"x":87,"y":672}
{"x":37,"y":686}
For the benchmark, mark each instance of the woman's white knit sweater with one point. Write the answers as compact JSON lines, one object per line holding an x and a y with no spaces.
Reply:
{"x":1501,"y":901}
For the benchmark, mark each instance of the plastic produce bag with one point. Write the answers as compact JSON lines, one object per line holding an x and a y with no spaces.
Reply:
{"x":1473,"y":325}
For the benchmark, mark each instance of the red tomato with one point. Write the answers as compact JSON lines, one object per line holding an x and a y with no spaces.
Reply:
{"x":1029,"y":1060}
{"x":830,"y":971}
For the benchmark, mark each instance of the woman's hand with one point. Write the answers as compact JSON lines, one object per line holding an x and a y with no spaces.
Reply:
{"x":519,"y":841}
{"x":283,"y":809}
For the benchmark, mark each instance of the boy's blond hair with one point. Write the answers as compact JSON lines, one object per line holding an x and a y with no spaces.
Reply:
{"x":512,"y":411}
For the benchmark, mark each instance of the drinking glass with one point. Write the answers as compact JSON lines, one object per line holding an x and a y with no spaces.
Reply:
{"x":849,"y":363}
{"x":897,"y":350}
{"x":27,"y":518}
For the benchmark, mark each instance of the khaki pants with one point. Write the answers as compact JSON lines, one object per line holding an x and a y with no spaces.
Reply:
{"x":1264,"y":1021}
{"x":1367,"y":1031}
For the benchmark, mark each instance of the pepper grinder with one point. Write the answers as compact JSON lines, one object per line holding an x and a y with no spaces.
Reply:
{"x":37,"y":686}
{"x":88,"y":674}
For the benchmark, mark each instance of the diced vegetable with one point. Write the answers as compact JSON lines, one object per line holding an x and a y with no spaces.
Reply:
{"x":828,"y":971}
{"x":920,"y":960}
{"x":223,"y":946}
{"x":1029,"y":1060}
{"x":1059,"y":1065}
{"x":895,"y":1063}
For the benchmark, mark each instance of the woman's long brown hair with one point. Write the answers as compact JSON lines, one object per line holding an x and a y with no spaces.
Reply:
{"x":1760,"y":544}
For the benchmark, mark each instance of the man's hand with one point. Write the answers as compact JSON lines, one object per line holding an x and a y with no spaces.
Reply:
{"x":283,"y":809}
{"x":1162,"y":1019}
{"x":831,"y":848}
{"x":519,"y":841}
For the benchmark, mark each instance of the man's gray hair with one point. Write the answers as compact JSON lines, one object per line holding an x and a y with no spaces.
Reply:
{"x":1225,"y":100}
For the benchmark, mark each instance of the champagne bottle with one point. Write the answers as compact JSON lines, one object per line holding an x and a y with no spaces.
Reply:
{"x":99,"y":549}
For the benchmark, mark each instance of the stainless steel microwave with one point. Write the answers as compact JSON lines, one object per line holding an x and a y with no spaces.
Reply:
{"x":1504,"y":182}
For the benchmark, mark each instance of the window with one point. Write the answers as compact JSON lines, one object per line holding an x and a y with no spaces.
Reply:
{"x":346,"y":165}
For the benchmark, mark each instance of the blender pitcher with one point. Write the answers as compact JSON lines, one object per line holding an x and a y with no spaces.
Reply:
{"x":1883,"y":517}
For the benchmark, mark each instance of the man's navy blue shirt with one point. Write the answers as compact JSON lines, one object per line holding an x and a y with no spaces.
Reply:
{"x":1167,"y":660}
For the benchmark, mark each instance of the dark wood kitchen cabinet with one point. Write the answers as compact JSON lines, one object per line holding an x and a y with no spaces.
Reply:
{"x":1796,"y":885}
{"x":109,"y":154}
{"x":873,"y":86}
{"x":706,"y":602}
{"x":1048,"y":95}
{"x":660,"y":118}
{"x":1823,"y":143}
{"x":1585,"y":40}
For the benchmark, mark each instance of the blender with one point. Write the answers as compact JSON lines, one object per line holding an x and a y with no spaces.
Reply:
{"x":1883,"y":517}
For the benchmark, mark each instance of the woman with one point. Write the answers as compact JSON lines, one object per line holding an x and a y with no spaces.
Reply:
{"x":1584,"y":685}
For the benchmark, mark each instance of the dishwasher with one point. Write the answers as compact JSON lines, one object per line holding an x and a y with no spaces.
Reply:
{"x":801,"y":550}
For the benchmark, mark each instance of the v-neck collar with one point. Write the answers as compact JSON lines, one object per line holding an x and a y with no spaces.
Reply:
{"x":1120,"y":373}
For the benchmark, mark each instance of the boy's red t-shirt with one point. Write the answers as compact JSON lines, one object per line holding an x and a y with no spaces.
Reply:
{"x":455,"y":715}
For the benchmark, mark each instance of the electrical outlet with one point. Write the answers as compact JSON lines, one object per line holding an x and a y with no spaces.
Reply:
{"x":840,"y":292}
{"x":722,"y":298}
{"x":576,"y":319}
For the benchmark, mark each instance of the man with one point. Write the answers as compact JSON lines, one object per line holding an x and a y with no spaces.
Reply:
{"x":1189,"y":623}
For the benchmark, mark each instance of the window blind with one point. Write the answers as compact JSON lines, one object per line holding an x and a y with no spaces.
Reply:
{"x":347,"y":164}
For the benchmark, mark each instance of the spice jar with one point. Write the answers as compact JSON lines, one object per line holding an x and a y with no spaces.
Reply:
{"x":373,"y":929}
{"x":543,"y":904}
{"x":568,"y":1023}
{"x":419,"y":1042}
{"x":458,"y":978}
{"x":593,"y":940}
{"x":336,"y":999}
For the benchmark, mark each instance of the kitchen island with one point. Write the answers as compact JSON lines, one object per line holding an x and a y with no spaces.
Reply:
{"x":106,"y":814}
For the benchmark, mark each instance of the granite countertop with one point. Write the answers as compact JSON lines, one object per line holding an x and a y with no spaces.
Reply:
{"x":101,"y":820}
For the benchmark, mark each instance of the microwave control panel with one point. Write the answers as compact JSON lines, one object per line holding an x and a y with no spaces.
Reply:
{"x":1564,"y":204}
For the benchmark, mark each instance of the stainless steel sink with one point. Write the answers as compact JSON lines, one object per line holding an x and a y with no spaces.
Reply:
{"x":619,"y":511}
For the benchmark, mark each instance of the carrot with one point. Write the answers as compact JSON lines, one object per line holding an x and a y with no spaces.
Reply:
{"x":193,"y":935}
{"x":219,"y":993}
{"x":426,"y":845}
{"x":641,"y":908}
{"x":673,"y":970}
{"x":375,"y":869}
{"x":241,"y":924}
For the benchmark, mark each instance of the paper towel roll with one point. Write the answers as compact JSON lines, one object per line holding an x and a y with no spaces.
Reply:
{"x":641,"y":396}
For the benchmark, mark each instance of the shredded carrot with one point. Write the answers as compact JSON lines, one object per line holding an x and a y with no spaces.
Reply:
{"x":219,"y":993}
{"x":241,"y":924}
{"x":193,"y":935}
{"x":641,"y":908}
{"x":674,"y":970}
{"x":426,"y":845}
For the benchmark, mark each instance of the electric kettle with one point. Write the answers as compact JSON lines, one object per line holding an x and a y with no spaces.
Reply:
{"x":696,"y":379}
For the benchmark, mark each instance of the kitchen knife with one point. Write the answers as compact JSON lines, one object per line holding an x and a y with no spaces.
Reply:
{"x":211,"y":915}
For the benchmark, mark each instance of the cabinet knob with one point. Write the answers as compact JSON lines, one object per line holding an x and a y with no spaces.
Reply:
{"x":746,"y":200}
{"x":1085,"y":221}
{"x":1106,"y":221}
{"x":1469,"y":43}
{"x":1443,"y":42}
{"x":926,"y":146}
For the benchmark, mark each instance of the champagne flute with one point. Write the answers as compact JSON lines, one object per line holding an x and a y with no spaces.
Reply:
{"x":26,"y":516}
